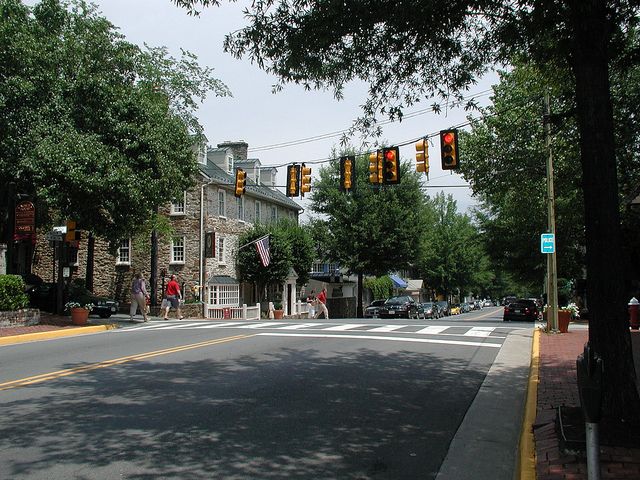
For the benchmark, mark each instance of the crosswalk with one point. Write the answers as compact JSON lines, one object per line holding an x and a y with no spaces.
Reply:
{"x":420,"y":330}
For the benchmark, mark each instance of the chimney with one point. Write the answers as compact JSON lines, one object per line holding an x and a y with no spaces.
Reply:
{"x":239,"y":149}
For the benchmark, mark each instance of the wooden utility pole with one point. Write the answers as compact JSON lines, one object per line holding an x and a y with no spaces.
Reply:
{"x":552,"y":274}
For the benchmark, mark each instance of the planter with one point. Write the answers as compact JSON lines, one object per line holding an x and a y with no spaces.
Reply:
{"x":79,"y":316}
{"x":564,"y":317}
{"x":278,"y":314}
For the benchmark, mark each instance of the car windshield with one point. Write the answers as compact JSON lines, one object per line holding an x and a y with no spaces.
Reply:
{"x":427,"y":305}
{"x":377,"y":303}
{"x":396,"y":300}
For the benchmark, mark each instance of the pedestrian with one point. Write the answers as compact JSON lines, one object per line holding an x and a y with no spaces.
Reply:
{"x":173,"y":296}
{"x":322,"y":304}
{"x":139,"y":297}
{"x":311,"y":300}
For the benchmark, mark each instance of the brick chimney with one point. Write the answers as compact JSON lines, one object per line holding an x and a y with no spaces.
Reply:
{"x":239,"y":148}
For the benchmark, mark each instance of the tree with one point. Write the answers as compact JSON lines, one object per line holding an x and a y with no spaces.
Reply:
{"x":373,"y":230}
{"x":91,"y":125}
{"x":440,"y":48}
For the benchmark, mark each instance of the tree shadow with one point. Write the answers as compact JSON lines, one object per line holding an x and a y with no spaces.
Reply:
{"x":350,"y":414}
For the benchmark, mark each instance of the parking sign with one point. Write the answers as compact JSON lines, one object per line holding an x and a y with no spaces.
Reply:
{"x":547,"y":243}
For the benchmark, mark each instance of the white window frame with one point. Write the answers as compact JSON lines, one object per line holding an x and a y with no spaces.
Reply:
{"x":274,"y":214}
{"x":229,"y":164}
{"x":224,"y":295}
{"x":240,"y":208}
{"x":123,"y":254}
{"x":258,"y":218}
{"x":222,"y":203}
{"x":220,"y":249}
{"x":178,"y":251}
{"x":179,"y":207}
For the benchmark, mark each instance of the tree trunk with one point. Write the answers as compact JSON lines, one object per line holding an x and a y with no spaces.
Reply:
{"x":608,"y":327}
{"x":88,"y":276}
{"x":359,"y":309}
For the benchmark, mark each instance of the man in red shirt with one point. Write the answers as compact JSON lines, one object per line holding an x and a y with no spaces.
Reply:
{"x":173,"y":295}
{"x":322,"y":304}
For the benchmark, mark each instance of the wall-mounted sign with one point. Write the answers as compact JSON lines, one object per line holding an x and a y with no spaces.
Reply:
{"x":209,"y":245}
{"x":25,"y":218}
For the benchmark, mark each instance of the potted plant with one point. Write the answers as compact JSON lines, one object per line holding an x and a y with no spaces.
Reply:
{"x":278,"y":312}
{"x":79,"y":312}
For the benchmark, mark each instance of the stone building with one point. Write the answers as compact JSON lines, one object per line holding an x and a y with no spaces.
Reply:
{"x":207,"y":212}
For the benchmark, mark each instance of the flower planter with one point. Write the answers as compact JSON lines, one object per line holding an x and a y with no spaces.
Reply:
{"x":564,"y":317}
{"x":79,"y":316}
{"x":278,"y":314}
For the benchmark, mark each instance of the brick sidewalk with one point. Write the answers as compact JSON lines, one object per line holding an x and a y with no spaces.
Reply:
{"x":558,"y":387}
{"x":47,"y":323}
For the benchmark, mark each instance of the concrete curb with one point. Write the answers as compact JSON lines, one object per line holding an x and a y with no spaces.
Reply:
{"x":527,"y":452}
{"x":66,"y":332}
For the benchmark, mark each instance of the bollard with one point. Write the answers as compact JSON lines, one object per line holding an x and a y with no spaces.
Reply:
{"x":590,"y":371}
{"x":634,"y":305}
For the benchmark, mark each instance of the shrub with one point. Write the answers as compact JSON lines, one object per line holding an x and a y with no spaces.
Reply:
{"x":12,"y":296}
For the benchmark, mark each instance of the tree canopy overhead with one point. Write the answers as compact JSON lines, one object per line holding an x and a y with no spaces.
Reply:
{"x":408,"y":51}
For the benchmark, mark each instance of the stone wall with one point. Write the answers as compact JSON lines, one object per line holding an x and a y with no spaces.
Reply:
{"x":20,"y":318}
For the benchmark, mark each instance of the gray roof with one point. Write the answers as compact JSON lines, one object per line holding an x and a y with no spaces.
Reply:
{"x":259,"y":191}
{"x":222,"y":280}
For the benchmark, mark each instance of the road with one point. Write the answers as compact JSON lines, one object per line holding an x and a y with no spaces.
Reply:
{"x":295,"y":399}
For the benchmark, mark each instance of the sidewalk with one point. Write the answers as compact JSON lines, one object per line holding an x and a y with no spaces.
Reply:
{"x":556,"y":459}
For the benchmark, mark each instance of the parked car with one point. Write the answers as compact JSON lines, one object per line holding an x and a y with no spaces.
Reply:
{"x":455,"y":309}
{"x":487,"y":303}
{"x":521,"y":310}
{"x":465,"y":307}
{"x":430,"y":310}
{"x":445,"y":309}
{"x":372,"y":310}
{"x":402,"y":306}
{"x":43,"y":296}
{"x":477,"y":305}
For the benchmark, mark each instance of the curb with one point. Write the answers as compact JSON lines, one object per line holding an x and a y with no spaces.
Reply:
{"x":527,"y":452}
{"x":68,"y":332}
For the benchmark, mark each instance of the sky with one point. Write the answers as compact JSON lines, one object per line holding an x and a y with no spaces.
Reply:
{"x":261,"y":118}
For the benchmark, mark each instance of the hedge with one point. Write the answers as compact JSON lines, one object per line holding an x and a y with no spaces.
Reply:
{"x":12,"y":296}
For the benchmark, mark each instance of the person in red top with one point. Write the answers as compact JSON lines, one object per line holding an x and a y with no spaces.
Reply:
{"x":173,"y":295}
{"x":322,"y":304}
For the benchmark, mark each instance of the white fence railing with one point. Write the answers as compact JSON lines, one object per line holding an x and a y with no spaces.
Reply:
{"x":216,"y":312}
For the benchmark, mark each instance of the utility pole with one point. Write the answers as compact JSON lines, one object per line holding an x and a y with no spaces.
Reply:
{"x":552,"y":274}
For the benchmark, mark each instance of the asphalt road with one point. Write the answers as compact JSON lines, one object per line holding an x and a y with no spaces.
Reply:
{"x":340,"y":399}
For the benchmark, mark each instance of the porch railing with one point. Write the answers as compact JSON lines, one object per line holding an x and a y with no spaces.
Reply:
{"x":216,"y":312}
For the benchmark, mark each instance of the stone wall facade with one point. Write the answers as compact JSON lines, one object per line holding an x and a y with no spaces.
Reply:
{"x":20,"y":318}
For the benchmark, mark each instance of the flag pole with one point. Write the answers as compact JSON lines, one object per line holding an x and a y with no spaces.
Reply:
{"x":255,"y":241}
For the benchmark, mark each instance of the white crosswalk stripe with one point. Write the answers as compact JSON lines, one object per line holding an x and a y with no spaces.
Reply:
{"x":403,"y":329}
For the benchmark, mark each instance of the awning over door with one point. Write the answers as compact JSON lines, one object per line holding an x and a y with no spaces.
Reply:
{"x":398,"y":282}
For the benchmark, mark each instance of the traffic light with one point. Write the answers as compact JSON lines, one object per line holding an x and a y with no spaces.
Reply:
{"x":293,"y":185}
{"x":241,"y":182}
{"x":72,"y":234}
{"x":449,"y":149}
{"x":305,"y":180}
{"x":347,"y":167}
{"x":375,"y":167}
{"x":422,"y":156}
{"x":391,"y":165}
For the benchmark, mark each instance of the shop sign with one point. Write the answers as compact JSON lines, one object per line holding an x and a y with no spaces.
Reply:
{"x":25,"y":218}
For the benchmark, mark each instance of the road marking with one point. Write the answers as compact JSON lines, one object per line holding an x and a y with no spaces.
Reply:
{"x":110,"y":363}
{"x":479,"y":331}
{"x":176,"y":325}
{"x":264,"y":325}
{"x":375,"y":337}
{"x":300,"y":326}
{"x":432,"y":330}
{"x":387,"y":328}
{"x":342,"y":328}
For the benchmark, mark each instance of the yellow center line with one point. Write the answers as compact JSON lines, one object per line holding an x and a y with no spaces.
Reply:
{"x":116,"y":361}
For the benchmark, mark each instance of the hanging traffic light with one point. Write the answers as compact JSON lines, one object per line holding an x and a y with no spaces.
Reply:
{"x":391,"y":160}
{"x":305,"y":181}
{"x":375,"y":167}
{"x":293,"y":184}
{"x":422,"y":156}
{"x":72,"y":234}
{"x":347,"y":167}
{"x":241,"y":182}
{"x":449,"y":149}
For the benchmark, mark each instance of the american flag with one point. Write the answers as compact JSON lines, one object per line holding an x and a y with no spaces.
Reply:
{"x":263,"y":250}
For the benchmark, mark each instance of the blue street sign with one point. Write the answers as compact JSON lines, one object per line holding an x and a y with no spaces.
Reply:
{"x":547,"y":243}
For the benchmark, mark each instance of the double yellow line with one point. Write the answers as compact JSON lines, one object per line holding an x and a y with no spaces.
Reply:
{"x":110,"y":363}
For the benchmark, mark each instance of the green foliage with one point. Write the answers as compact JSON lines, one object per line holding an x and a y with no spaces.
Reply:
{"x":301,"y":242}
{"x":87,"y":115}
{"x":12,"y":296}
{"x":381,"y":287}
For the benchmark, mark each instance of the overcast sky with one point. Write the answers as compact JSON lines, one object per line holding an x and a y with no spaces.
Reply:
{"x":262,"y":118}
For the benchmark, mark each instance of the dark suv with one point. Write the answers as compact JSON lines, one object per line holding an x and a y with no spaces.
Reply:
{"x":402,"y":306}
{"x":445,"y":309}
{"x":522,"y":309}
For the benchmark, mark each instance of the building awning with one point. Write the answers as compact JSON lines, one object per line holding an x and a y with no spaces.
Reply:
{"x":222,"y":280}
{"x":414,"y":285}
{"x":398,"y":282}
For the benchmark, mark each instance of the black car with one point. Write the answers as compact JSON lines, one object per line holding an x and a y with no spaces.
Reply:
{"x":43,"y":296}
{"x":521,"y":310}
{"x":445,"y":309}
{"x":402,"y":306}
{"x":430,"y":310}
{"x":372,"y":310}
